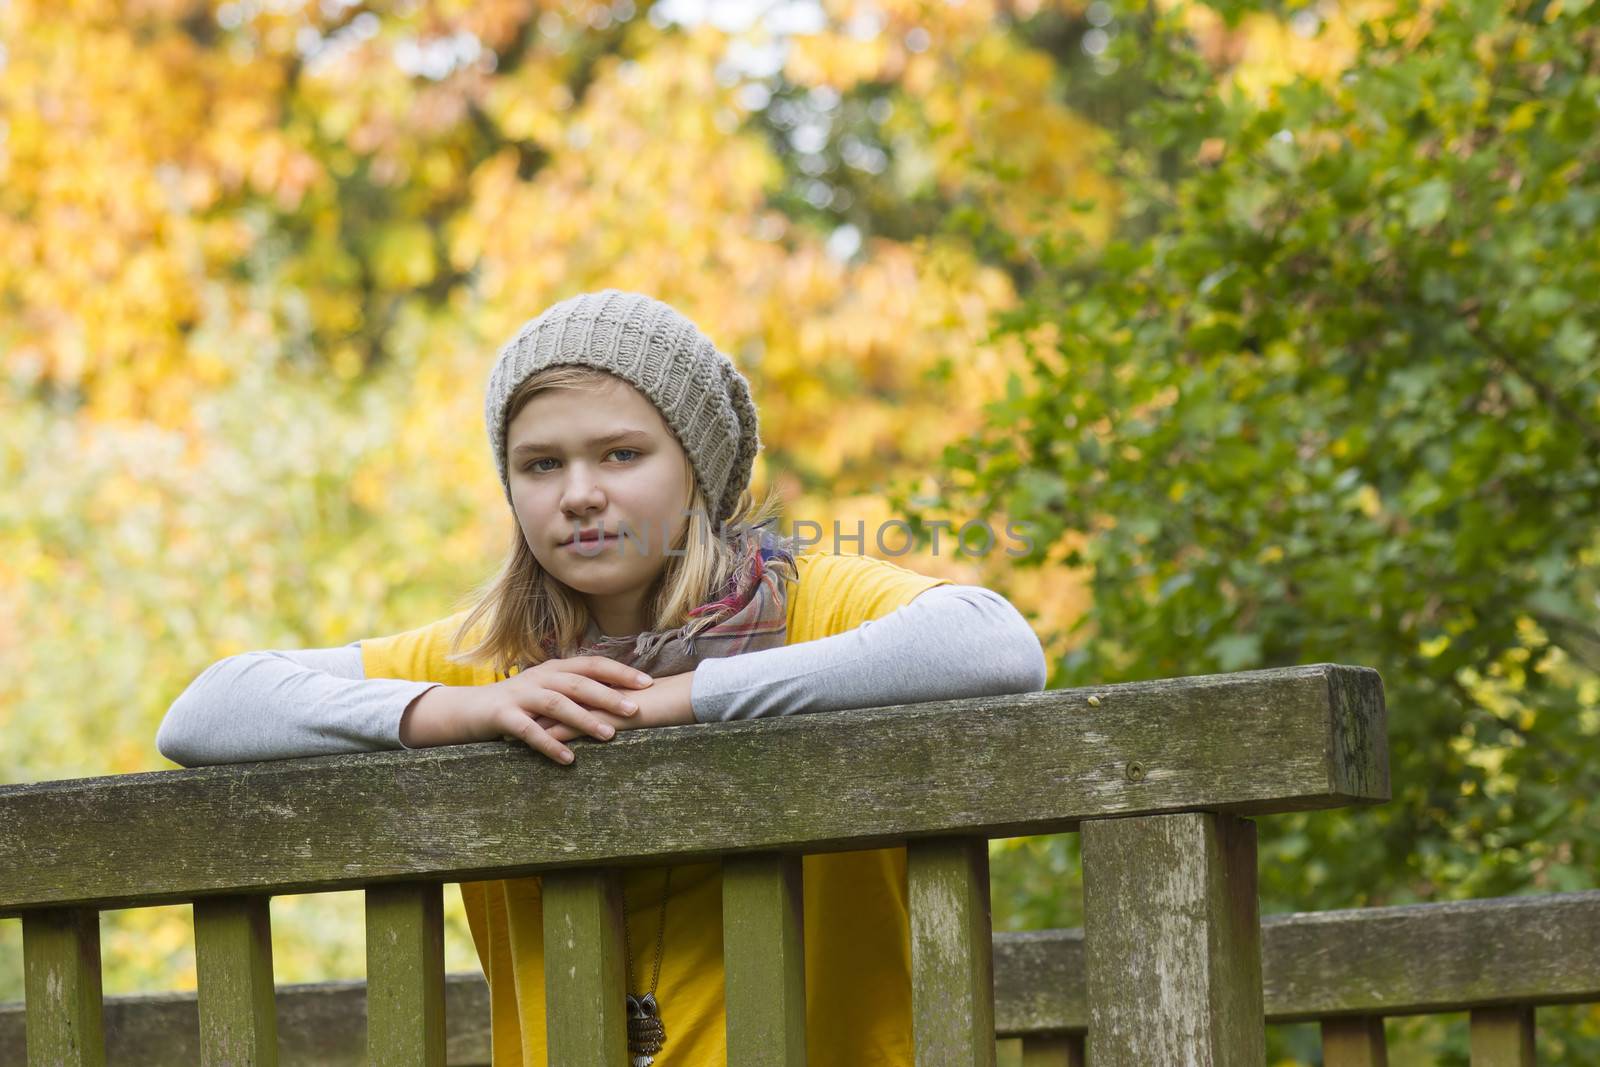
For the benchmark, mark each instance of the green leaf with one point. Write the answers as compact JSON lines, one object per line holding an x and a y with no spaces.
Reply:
{"x":1427,"y":203}
{"x":1573,"y":343}
{"x":1236,"y":652}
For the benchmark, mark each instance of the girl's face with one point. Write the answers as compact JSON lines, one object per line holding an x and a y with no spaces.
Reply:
{"x":601,"y":458}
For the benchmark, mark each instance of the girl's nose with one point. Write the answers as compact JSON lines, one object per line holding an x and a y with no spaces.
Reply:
{"x":582,"y":493}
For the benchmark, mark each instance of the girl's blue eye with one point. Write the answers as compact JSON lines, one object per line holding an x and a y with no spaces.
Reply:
{"x":532,"y":466}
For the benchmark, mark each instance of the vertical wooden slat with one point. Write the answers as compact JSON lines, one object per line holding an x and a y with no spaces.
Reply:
{"x":952,"y":963}
{"x":61,"y":980}
{"x":1502,"y":1037}
{"x":1063,"y":1051}
{"x":585,"y":999}
{"x":764,"y":959}
{"x":233,"y":964}
{"x":1172,"y":941}
{"x":1354,"y":1041}
{"x":405,"y":975}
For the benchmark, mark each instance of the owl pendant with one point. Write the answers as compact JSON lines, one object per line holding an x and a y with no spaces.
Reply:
{"x":646,"y":1035}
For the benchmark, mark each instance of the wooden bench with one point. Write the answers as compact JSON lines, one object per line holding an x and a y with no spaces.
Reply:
{"x":1159,"y":778}
{"x":1498,"y":959}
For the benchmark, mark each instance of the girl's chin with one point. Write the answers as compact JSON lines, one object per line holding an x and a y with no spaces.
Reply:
{"x":606,"y":574}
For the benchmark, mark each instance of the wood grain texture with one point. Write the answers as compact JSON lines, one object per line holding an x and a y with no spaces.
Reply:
{"x":952,"y":968}
{"x":1502,"y":1037}
{"x":1039,"y":982}
{"x":1406,"y":960}
{"x":321,"y":1024}
{"x":233,"y":966}
{"x":1173,"y":942}
{"x":61,"y":979}
{"x":1354,"y":1041}
{"x":405,"y":975}
{"x":764,"y":960}
{"x":584,"y":969}
{"x":1359,"y":749}
{"x":1434,"y":957}
{"x":1256,"y":741}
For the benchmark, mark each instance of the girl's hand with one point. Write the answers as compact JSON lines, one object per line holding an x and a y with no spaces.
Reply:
{"x":581,"y":695}
{"x":584,"y":694}
{"x":666,"y":703}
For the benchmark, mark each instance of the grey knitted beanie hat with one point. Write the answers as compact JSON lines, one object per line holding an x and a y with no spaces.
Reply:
{"x":700,"y":393}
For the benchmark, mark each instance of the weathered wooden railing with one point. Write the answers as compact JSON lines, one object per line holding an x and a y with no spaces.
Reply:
{"x":1497,"y":959}
{"x":1157,"y":776}
{"x":1348,"y":970}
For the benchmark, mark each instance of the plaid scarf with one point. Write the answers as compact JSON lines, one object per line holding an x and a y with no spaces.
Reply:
{"x":751,"y":614}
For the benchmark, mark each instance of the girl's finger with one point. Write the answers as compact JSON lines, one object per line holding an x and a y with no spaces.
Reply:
{"x":602,"y":669}
{"x":596,"y":695}
{"x":558,"y":730}
{"x":536,"y":737}
{"x":562,"y":708}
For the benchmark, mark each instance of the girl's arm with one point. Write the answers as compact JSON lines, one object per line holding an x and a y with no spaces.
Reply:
{"x":948,"y":642}
{"x":283,"y":704}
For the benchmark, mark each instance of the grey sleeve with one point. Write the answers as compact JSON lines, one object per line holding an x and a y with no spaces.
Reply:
{"x":283,"y":704}
{"x":950,"y":641}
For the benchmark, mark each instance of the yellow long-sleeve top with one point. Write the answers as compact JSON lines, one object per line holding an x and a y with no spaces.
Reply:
{"x":857,"y":927}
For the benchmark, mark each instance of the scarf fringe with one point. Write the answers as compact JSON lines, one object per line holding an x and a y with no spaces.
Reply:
{"x":751,"y":615}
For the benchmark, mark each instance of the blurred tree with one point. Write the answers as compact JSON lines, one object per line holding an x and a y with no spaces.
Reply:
{"x":1340,"y":403}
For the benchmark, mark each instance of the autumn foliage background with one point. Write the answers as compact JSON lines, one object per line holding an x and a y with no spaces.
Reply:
{"x":258,"y":256}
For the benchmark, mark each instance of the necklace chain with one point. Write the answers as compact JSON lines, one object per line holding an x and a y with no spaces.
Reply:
{"x":661,"y":935}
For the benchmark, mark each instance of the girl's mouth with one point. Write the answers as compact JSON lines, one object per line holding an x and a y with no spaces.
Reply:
{"x":590,"y":544}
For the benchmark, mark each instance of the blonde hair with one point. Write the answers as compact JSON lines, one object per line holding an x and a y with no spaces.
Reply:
{"x":521,"y":605}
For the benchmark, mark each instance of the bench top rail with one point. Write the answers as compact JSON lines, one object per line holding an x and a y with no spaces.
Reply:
{"x":1252,"y":742}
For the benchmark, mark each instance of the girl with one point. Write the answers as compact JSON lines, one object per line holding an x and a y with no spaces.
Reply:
{"x":642,"y":589}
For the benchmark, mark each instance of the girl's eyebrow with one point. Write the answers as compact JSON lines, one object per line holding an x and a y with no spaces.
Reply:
{"x":604,"y":439}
